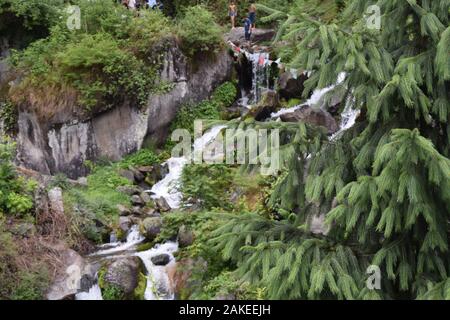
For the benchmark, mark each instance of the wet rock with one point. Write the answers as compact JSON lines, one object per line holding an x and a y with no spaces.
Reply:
{"x":145,"y":169}
{"x":137,"y":200}
{"x":86,"y":283}
{"x":151,"y":227}
{"x":237,"y":35}
{"x":312,"y":116}
{"x":129,"y":190}
{"x":146,"y":197}
{"x":123,"y":210}
{"x":125,"y":224}
{"x":269,"y":103}
{"x":138,"y":176}
{"x":137,"y":211}
{"x":162,"y":205}
{"x":150,"y":212}
{"x":124,"y":273}
{"x":127,"y":174}
{"x":185,"y":236}
{"x":225,"y":297}
{"x":161,"y":259}
{"x":289,"y":86}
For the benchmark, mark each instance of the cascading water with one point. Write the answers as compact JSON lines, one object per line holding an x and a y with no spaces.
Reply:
{"x":168,"y":187}
{"x":158,"y":282}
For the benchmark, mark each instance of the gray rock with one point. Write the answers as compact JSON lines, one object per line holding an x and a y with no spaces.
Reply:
{"x":161,"y":259}
{"x":185,"y":236}
{"x":136,"y":200}
{"x":149,"y":212}
{"x":269,"y":103}
{"x":129,"y":190}
{"x":87,"y":282}
{"x":138,"y":176}
{"x":127,"y":174}
{"x":162,"y":205}
{"x":146,"y":197}
{"x":125,"y":223}
{"x":145,"y":169}
{"x":312,"y":116}
{"x":123,"y":210}
{"x":137,"y":210}
{"x":151,"y":227}
{"x":82,"y":181}
{"x":290,"y":87}
{"x":124,"y":273}
{"x":71,"y":263}
{"x":237,"y":35}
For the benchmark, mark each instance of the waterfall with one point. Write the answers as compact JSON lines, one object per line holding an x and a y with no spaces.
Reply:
{"x":314,"y":101}
{"x":94,"y":293}
{"x":133,"y":238}
{"x":348,"y":118}
{"x":159,"y":286}
{"x":167,"y":188}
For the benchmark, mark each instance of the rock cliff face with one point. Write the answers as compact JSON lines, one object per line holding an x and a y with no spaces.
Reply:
{"x":63,"y":145}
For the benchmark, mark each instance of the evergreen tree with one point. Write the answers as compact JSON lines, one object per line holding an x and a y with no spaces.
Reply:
{"x":385,"y":183}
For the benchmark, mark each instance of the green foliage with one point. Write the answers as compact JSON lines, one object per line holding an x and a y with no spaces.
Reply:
{"x":8,"y":115}
{"x":97,"y":202}
{"x":15,"y":193}
{"x":211,"y":109}
{"x":198,"y":31}
{"x":32,"y":285}
{"x":383,"y":184}
{"x":109,"y":291}
{"x":144,"y":157}
{"x":99,"y":66}
{"x":207,"y":186}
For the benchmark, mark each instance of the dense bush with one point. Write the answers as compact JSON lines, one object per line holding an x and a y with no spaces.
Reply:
{"x":210,"y":109}
{"x":15,"y":193}
{"x":207,"y":186}
{"x":198,"y":31}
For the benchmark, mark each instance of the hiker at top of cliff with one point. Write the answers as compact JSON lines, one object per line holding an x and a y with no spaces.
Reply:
{"x":232,"y":12}
{"x":252,"y":14}
{"x":248,"y":28}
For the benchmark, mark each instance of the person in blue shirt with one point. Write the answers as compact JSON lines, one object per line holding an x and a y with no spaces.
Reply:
{"x":248,"y":28}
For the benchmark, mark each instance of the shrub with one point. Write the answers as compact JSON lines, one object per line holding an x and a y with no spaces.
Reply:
{"x":207,"y":186}
{"x":198,"y":31}
{"x":15,"y":193}
{"x":144,"y":157}
{"x":8,"y":115}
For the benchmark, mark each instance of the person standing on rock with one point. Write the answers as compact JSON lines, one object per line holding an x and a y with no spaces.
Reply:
{"x":248,"y":28}
{"x":232,"y":13}
{"x":252,"y":14}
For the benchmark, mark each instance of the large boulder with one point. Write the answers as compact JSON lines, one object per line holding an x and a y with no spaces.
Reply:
{"x":67,"y":282}
{"x":313,"y":116}
{"x":123,"y":273}
{"x":151,"y":227}
{"x":161,"y":259}
{"x":290,"y":86}
{"x":237,"y":35}
{"x":268,"y":104}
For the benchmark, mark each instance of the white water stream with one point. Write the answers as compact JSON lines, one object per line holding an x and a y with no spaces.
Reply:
{"x":167,"y":188}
